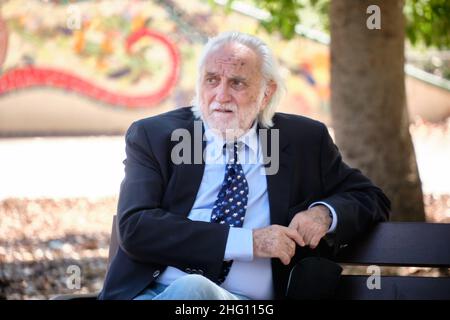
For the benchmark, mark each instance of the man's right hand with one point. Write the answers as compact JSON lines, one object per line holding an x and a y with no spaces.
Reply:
{"x":275,"y":241}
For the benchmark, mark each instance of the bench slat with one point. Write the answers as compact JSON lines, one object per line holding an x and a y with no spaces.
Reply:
{"x":402,"y":244}
{"x":394,"y":288}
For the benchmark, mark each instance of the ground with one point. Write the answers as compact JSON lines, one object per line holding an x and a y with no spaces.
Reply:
{"x":42,"y":236}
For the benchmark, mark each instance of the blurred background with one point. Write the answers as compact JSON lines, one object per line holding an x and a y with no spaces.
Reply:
{"x":75,"y":74}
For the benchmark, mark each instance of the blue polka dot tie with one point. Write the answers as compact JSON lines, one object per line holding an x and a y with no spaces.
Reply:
{"x":231,"y":202}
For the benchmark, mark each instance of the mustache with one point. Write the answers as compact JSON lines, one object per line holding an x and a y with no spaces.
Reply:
{"x":215,"y":106}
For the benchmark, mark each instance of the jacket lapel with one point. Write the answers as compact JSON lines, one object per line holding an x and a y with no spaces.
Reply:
{"x":189,"y":175}
{"x":278,"y":188}
{"x":278,"y":183}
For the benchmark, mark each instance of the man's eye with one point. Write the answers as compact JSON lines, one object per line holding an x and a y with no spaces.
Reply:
{"x":237,"y":84}
{"x":211,"y":80}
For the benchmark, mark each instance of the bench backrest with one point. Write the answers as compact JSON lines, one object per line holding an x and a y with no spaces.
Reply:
{"x":412,"y":244}
{"x":402,"y":244}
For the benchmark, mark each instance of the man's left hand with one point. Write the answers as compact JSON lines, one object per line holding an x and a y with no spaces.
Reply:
{"x":312,"y":225}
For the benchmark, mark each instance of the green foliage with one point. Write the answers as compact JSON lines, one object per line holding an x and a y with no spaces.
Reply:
{"x":284,"y":16}
{"x":427,"y":21}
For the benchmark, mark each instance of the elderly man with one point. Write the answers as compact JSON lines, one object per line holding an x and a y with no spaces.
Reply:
{"x":223,"y":225}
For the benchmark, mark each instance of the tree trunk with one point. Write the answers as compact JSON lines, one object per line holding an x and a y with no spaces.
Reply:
{"x":368,"y":102}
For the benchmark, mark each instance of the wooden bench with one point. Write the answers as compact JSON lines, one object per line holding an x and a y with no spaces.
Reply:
{"x":406,"y":244}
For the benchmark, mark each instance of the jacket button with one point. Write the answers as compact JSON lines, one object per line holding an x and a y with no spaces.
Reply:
{"x":156,"y":273}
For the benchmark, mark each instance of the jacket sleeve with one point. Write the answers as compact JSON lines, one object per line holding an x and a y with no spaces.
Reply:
{"x":150,"y":234}
{"x":358,"y":203}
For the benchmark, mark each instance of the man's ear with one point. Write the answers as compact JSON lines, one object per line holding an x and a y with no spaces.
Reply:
{"x":270,"y":89}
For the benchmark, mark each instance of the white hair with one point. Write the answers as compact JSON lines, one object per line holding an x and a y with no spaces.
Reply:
{"x":269,"y":70}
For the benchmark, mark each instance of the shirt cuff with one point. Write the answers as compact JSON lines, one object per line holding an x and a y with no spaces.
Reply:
{"x":333,"y":213}
{"x":239,"y":245}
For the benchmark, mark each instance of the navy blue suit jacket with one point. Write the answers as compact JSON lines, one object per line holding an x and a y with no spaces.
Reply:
{"x":157,"y":195}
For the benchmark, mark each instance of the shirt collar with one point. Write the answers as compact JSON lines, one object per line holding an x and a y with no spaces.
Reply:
{"x":215,"y":142}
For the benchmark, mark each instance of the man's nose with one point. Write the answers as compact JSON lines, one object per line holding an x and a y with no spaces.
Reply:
{"x":223,"y":93}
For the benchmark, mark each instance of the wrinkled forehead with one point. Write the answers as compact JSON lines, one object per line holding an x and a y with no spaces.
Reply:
{"x":232,"y":59}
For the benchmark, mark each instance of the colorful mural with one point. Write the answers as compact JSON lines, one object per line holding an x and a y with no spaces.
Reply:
{"x":116,"y":61}
{"x":32,"y":76}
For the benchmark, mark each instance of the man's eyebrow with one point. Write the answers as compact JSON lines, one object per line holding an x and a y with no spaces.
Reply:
{"x":234,"y":78}
{"x":238,"y":78}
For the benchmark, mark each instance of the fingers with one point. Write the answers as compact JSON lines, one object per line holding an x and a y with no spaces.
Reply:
{"x":290,"y":247}
{"x":312,"y":237}
{"x":276,"y":241}
{"x":315,"y":241}
{"x":309,"y":229}
{"x":285,"y":258}
{"x":296,"y":236}
{"x":288,"y":244}
{"x":273,"y":242}
{"x":294,"y":226}
{"x":307,"y":236}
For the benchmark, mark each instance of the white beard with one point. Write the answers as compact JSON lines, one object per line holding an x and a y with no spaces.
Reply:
{"x":227,"y":124}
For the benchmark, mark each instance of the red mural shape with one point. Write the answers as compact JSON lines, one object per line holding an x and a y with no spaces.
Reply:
{"x":33,"y":76}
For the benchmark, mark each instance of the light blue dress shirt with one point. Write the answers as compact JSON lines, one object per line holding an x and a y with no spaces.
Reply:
{"x":249,"y":276}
